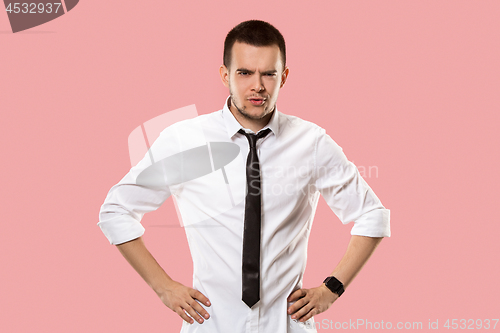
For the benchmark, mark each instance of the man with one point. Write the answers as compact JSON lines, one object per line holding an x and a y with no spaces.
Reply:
{"x":243,"y":282}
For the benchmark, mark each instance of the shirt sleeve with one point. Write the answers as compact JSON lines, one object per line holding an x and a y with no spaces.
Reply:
{"x":126,"y":203}
{"x":346,"y":192}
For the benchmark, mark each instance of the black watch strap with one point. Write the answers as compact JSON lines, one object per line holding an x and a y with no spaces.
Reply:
{"x":334,"y":285}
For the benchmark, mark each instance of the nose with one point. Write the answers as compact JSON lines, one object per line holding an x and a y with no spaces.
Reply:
{"x":258,"y":86}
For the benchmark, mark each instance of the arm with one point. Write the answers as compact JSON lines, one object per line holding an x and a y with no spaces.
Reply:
{"x":177,"y":297}
{"x":310,"y":302}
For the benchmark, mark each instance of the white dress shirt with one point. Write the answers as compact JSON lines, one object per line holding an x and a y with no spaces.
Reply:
{"x":298,"y":162}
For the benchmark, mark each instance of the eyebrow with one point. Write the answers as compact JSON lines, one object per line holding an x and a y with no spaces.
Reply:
{"x":273,"y":71}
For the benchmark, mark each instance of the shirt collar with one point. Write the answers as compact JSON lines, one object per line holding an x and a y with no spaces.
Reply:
{"x":233,"y":126}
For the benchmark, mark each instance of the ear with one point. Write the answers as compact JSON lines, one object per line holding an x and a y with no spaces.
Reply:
{"x":284,"y":76}
{"x":224,"y":75}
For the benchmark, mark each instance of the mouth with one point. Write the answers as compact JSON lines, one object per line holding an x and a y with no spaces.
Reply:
{"x":257,"y":101}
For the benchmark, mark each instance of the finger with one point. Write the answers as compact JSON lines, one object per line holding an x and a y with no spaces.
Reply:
{"x":302,"y":311}
{"x":297,"y":305}
{"x":184,"y":316}
{"x":200,"y":309}
{"x":309,"y":315}
{"x":296,"y":295}
{"x":189,"y":307}
{"x":200,"y":297}
{"x":203,"y":299}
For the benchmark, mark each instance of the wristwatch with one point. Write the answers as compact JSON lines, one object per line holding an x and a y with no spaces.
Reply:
{"x":334,"y":285}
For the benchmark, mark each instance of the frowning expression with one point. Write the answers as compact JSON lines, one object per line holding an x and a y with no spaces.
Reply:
{"x":254,"y":79}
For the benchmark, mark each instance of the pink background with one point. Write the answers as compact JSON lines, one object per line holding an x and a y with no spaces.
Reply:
{"x":410,"y":88}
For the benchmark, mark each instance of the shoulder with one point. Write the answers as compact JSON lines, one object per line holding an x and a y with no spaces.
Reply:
{"x":299,"y":126}
{"x":185,"y":126}
{"x":185,"y":134}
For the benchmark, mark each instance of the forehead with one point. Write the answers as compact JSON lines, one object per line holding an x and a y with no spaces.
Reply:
{"x":255,"y":57}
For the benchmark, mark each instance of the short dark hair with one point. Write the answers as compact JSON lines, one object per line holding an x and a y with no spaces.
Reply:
{"x":256,"y":33}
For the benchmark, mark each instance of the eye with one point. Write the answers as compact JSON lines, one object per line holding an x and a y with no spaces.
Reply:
{"x":243,"y":73}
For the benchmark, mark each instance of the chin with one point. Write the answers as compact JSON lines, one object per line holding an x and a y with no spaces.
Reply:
{"x":257,"y":114}
{"x":263,"y":109}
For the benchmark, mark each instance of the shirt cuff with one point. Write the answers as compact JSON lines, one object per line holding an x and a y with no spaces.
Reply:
{"x":375,"y":223}
{"x":121,"y":229}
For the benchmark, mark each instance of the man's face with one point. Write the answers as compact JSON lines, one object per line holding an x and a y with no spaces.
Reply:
{"x":254,"y":79}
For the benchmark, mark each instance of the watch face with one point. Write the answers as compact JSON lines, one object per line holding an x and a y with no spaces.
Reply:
{"x":334,"y":285}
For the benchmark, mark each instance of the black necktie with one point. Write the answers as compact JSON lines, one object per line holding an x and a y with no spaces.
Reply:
{"x":251,"y":232}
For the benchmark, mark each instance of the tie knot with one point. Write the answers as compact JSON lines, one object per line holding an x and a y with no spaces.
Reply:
{"x":252,"y":138}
